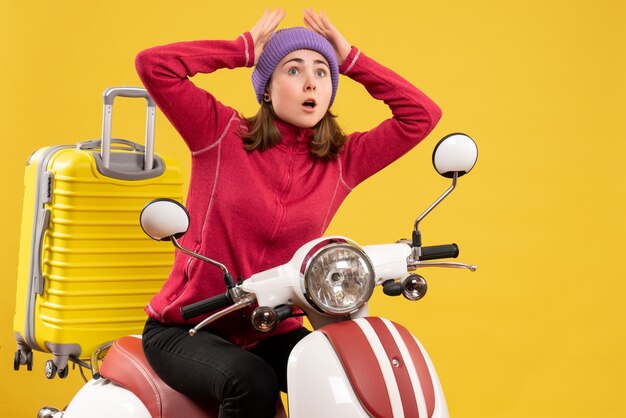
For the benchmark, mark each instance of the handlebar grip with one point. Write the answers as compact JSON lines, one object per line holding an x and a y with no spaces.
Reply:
{"x":435,"y":252}
{"x":392,"y":288}
{"x":284,"y":312}
{"x":206,"y":305}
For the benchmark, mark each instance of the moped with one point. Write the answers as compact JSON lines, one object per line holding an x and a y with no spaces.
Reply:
{"x":352,"y":365}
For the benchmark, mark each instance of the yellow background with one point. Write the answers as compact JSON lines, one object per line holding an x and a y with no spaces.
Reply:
{"x":538,"y":331}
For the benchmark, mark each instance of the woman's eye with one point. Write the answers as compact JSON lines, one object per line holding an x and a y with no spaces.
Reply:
{"x":293,"y":71}
{"x":321,"y":73}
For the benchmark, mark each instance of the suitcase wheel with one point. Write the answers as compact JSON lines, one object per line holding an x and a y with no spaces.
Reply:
{"x":51,"y":369}
{"x":63,"y":372}
{"x":19,"y":358}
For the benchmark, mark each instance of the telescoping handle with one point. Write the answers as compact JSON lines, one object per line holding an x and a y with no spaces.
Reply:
{"x":109,"y":96}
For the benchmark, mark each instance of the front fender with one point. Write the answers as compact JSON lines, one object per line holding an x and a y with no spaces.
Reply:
{"x":365,"y":367}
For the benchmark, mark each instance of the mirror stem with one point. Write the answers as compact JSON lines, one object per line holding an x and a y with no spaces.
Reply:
{"x":230,"y":283}
{"x":416,"y":233}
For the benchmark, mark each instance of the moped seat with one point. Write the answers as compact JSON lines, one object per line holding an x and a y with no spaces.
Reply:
{"x":126,"y":365}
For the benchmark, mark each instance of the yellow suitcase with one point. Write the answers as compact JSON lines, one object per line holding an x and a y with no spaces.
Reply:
{"x":86,"y":270}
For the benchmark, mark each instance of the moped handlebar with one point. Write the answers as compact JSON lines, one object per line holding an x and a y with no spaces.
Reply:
{"x":206,"y":306}
{"x":435,"y":252}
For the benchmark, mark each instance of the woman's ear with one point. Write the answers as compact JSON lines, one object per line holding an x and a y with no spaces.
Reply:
{"x":266,"y":97}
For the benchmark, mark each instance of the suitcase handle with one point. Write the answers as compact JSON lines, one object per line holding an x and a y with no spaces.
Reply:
{"x":43,"y":222}
{"x":109,"y":96}
{"x":97,"y":143}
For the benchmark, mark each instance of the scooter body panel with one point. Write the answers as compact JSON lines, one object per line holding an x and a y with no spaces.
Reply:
{"x":104,"y":399}
{"x":318,"y":384}
{"x":441,"y":407}
{"x":335,"y":372}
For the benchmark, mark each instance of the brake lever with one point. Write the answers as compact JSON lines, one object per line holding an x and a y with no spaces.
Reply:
{"x":246,"y":300}
{"x":447,"y":264}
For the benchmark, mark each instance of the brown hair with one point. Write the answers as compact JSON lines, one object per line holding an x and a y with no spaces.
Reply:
{"x":328,"y":138}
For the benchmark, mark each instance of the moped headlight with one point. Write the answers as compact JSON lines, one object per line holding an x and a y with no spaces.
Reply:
{"x":338,"y":279}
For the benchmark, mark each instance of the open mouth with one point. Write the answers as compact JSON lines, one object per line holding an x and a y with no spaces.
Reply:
{"x":309,"y":104}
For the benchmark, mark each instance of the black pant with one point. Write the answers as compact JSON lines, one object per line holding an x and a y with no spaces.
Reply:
{"x":211,"y":369}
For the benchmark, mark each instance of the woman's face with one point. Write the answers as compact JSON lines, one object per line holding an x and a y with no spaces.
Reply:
{"x":300,"y":88}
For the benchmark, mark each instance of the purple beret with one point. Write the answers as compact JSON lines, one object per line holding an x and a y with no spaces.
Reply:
{"x":284,"y":42}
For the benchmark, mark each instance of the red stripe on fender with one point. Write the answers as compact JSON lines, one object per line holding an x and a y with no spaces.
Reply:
{"x":360,"y":364}
{"x":423,"y":374}
{"x":400,"y":372}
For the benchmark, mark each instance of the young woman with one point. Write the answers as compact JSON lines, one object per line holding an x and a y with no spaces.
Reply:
{"x":261,"y":187}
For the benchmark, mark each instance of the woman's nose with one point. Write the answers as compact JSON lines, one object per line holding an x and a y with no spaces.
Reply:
{"x":309,"y":84}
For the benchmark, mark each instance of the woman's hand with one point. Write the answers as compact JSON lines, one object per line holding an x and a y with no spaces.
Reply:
{"x":320,"y":24}
{"x":263,"y":30}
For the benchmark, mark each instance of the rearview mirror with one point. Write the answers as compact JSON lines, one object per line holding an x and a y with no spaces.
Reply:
{"x":455,"y":153}
{"x":162,"y":219}
{"x":454,"y":156}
